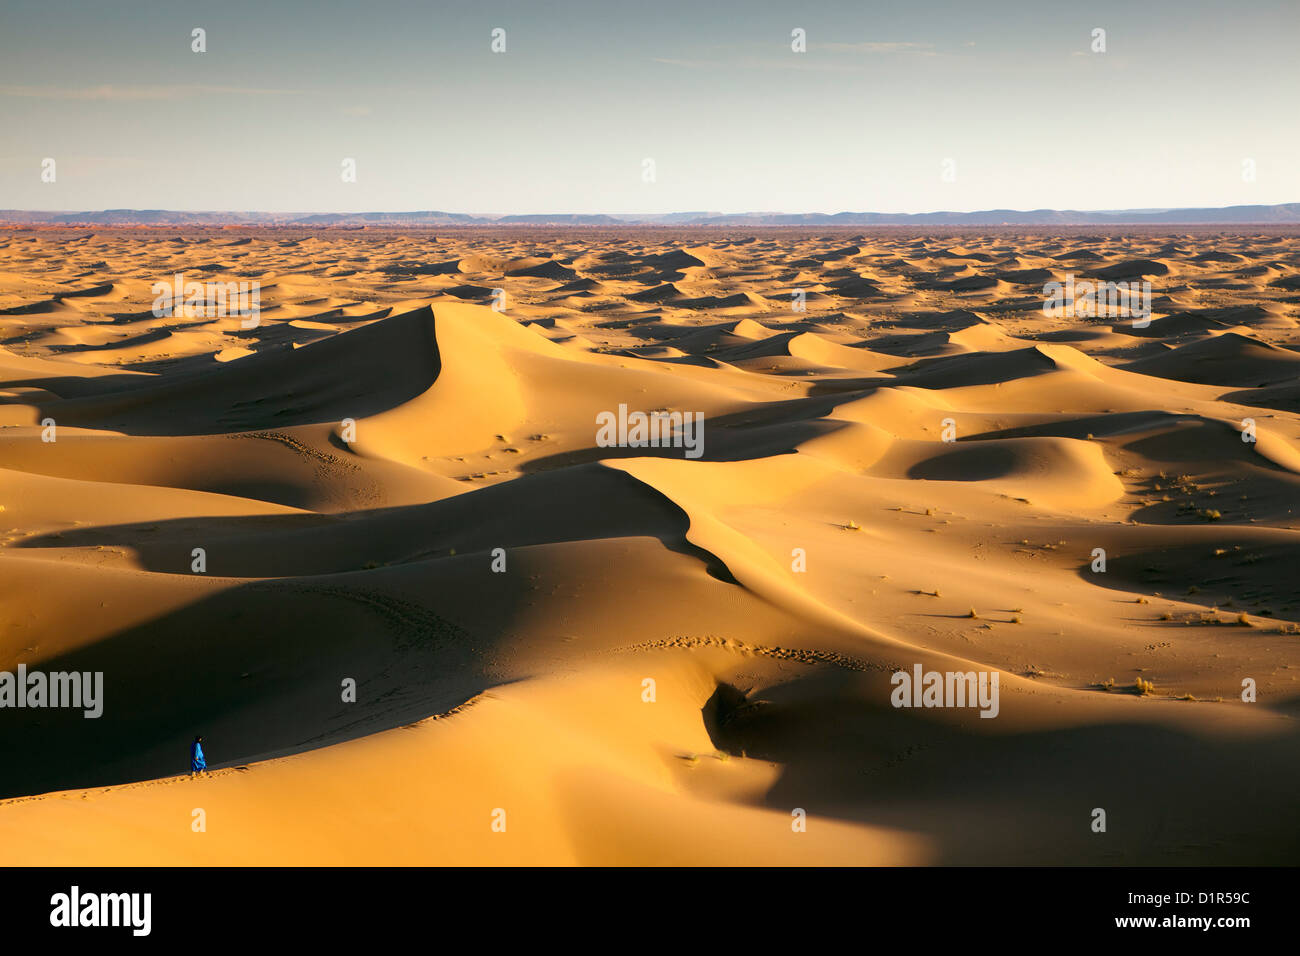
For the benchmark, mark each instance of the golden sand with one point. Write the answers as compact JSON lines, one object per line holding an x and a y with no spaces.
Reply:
{"x":569,"y":652}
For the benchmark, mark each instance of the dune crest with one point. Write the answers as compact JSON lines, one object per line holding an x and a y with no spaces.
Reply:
{"x":383,"y":548}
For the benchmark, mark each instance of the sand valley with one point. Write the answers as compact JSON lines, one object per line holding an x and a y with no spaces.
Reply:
{"x":572,"y":651}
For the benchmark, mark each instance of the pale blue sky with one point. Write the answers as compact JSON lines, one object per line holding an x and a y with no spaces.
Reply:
{"x":562,"y":121}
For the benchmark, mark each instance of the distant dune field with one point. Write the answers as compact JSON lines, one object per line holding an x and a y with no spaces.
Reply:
{"x":572,"y":651}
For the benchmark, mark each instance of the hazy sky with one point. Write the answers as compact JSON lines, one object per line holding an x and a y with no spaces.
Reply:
{"x":710,"y":90}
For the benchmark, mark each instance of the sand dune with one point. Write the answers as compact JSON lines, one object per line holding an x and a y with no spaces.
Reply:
{"x":396,"y":483}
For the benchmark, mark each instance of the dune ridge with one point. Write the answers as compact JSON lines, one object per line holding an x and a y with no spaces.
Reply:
{"x":396,"y":482}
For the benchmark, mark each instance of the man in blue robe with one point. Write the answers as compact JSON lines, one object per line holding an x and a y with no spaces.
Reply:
{"x":197,"y":763}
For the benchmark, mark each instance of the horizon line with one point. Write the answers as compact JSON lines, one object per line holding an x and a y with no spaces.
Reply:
{"x":1275,"y":214}
{"x":616,"y":215}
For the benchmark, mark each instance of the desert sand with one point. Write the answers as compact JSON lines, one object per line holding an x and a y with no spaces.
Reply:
{"x":396,"y":484}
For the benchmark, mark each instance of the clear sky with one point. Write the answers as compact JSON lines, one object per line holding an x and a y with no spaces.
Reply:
{"x":711,"y":90}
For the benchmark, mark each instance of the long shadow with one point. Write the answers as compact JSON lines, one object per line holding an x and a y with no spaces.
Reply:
{"x":257,"y":669}
{"x":355,"y":374}
{"x":1251,"y":572}
{"x":775,"y":428}
{"x":1170,"y":797}
{"x":579,"y":503}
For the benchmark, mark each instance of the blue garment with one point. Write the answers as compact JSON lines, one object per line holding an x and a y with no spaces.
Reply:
{"x":197,"y":762}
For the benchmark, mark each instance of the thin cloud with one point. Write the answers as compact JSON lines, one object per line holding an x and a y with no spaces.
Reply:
{"x":921,"y":49}
{"x":794,"y":62}
{"x":110,"y":92}
{"x":728,"y":60}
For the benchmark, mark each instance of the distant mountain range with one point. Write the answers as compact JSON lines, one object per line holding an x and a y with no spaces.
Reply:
{"x":1282,"y":213}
